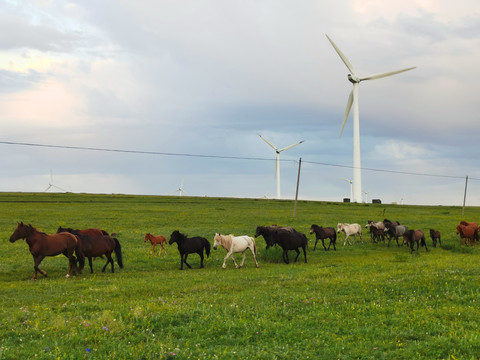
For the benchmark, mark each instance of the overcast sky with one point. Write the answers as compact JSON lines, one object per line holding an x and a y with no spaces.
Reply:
{"x":206,"y":77}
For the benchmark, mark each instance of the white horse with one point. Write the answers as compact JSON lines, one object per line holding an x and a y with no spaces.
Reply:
{"x":235,"y":244}
{"x":349,"y":229}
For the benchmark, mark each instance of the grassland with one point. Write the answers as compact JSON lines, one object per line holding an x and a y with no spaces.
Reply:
{"x":363,"y":301}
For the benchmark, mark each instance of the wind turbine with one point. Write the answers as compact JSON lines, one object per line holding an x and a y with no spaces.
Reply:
{"x":353,"y":100}
{"x":180,"y":190}
{"x":277,"y":163}
{"x":51,"y":185}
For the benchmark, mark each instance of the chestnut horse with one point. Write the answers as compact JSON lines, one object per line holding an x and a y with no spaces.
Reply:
{"x":156,"y":240}
{"x":467,"y":232}
{"x":42,"y":245}
{"x":96,"y":242}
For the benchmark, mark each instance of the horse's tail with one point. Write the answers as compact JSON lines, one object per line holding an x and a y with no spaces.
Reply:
{"x":254,"y":246}
{"x":118,"y":253}
{"x":207,"y":248}
{"x":334,"y":237}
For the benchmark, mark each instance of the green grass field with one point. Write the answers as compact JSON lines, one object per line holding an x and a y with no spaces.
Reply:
{"x":364,"y":301}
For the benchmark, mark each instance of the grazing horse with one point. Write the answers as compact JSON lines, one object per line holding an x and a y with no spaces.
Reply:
{"x":188,"y":245}
{"x":235,"y":244}
{"x":323,"y":233}
{"x":349,"y":229}
{"x":95,"y":243}
{"x":42,"y":245}
{"x":156,"y":240}
{"x":467,"y":233}
{"x":395,"y":231}
{"x":414,"y":236}
{"x":288,"y":239}
{"x":435,"y":235}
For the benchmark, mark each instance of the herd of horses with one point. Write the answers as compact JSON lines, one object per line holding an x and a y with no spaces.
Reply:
{"x":77,"y":245}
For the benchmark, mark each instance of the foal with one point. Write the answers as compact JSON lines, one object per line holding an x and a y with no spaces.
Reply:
{"x":156,"y":240}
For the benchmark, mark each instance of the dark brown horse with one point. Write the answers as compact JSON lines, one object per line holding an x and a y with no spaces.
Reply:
{"x":414,"y":236}
{"x":323,"y":233}
{"x":42,"y":245}
{"x":95,"y":242}
{"x":435,"y":236}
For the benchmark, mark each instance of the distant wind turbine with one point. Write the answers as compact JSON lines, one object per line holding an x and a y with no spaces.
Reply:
{"x":51,"y":185}
{"x":180,"y":190}
{"x":277,"y":163}
{"x":353,"y":100}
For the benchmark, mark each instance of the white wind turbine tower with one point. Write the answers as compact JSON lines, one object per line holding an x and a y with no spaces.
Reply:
{"x":277,"y":162}
{"x":353,"y":100}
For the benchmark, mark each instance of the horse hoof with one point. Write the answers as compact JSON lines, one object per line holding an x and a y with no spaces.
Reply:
{"x":224,"y":266}
{"x":67,"y":276}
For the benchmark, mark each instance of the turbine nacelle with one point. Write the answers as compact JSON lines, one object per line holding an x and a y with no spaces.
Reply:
{"x":353,"y":79}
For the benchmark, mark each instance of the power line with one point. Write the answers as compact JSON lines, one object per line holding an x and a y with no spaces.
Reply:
{"x":222,"y":157}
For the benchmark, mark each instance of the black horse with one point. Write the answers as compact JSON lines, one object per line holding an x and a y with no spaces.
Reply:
{"x":188,"y":245}
{"x":288,"y":239}
{"x":435,"y":235}
{"x":323,"y":233}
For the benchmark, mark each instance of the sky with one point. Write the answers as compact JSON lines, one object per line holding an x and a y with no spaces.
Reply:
{"x":182,"y":89}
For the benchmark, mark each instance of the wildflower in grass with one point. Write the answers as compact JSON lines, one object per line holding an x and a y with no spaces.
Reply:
{"x":89,"y":350}
{"x":172,"y":354}
{"x":105,"y":328}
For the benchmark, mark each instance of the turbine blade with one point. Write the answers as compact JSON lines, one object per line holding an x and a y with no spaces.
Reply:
{"x":290,"y":146}
{"x":347,"y":111}
{"x":268,"y":142}
{"x":379,"y":76}
{"x":343,"y":57}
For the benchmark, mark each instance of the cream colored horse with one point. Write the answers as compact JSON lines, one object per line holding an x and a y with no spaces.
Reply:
{"x":235,"y":244}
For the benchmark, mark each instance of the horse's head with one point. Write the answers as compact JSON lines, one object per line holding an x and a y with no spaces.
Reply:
{"x":21,"y":232}
{"x":312,"y":229}
{"x":340,"y":227}
{"x":217,"y":240}
{"x":147,"y":237}
{"x":259,"y":231}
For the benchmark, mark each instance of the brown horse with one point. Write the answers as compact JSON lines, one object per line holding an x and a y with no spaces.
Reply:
{"x":435,"y":235}
{"x":42,"y":245}
{"x":94,"y":243}
{"x":468,"y":233}
{"x":156,"y":240}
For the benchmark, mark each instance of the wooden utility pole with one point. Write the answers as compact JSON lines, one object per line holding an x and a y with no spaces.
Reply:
{"x":296,"y":193}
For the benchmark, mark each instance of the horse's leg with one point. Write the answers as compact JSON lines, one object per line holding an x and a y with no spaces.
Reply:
{"x":243,"y":258}
{"x":37,"y":260}
{"x":152,"y":250}
{"x":181,"y":261}
{"x":323,"y":243}
{"x":252,"y":249}
{"x":333,"y":242}
{"x":91,"y":264}
{"x":285,"y":257}
{"x":424,"y":243}
{"x":109,"y":260}
{"x":201,"y":258}
{"x":316,"y":241}
{"x":226,"y":258}
{"x":298,"y":253}
{"x":185,"y":261}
